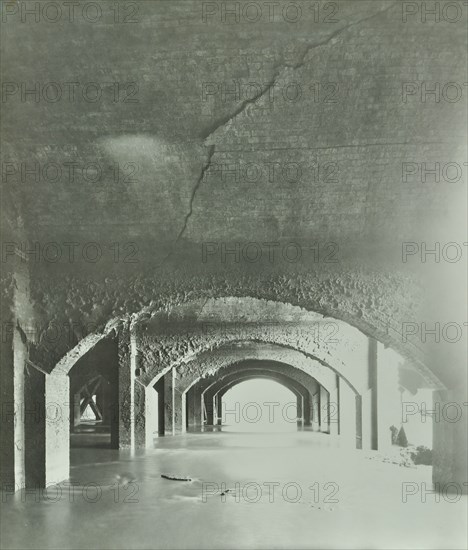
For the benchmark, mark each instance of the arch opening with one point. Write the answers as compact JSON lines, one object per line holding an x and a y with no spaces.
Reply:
{"x":258,"y":405}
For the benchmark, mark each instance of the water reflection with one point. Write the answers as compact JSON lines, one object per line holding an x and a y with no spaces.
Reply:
{"x":295,"y":490}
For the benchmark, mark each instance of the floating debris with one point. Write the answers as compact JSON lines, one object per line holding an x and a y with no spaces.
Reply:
{"x":176,"y":478}
{"x":229,"y":492}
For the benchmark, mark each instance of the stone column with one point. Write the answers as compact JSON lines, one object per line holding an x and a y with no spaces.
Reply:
{"x":151,"y":416}
{"x":334,"y":408}
{"x":159,"y":387}
{"x":16,"y":312}
{"x":324,"y":410}
{"x":316,"y":411}
{"x":450,"y":430}
{"x":370,"y":401}
{"x":300,"y":410}
{"x":219,"y":409}
{"x":209,"y":408}
{"x":46,"y":427}
{"x":179,"y":410}
{"x":388,"y":395}
{"x":13,"y":354}
{"x":194,"y":405}
{"x":125,"y":385}
{"x":349,"y":417}
{"x":132,"y":429}
{"x":57,"y":427}
{"x":169,"y":403}
{"x":306,"y":410}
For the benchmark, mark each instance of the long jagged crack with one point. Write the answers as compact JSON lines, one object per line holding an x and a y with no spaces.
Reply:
{"x":278,"y":68}
{"x":205,"y":168}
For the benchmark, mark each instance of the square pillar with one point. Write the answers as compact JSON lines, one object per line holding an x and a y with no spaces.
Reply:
{"x":324,"y":410}
{"x":450,"y":441}
{"x":12,"y":403}
{"x":131,"y":414}
{"x":57,"y":428}
{"x":179,"y":412}
{"x":194,"y":409}
{"x":219,"y":409}
{"x":389,"y":409}
{"x":159,"y":387}
{"x":349,"y":416}
{"x":169,"y":420}
{"x":300,"y":410}
{"x":334,"y":408}
{"x":151,"y":415}
{"x":316,"y":411}
{"x":306,"y":406}
{"x":35,"y":412}
{"x":369,"y":401}
{"x":209,"y":409}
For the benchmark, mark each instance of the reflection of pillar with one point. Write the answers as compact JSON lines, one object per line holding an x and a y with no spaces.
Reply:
{"x":324,"y":410}
{"x":316,"y":411}
{"x":450,"y":429}
{"x":194,"y":409}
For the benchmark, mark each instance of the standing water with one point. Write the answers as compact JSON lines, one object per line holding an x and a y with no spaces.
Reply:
{"x":247,"y":490}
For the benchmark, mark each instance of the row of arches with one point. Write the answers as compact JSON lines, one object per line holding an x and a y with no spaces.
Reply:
{"x":166,"y":375}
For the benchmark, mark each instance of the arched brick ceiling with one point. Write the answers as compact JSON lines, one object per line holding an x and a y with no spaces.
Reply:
{"x":173,"y":135}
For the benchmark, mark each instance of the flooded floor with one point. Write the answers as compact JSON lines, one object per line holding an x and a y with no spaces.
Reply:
{"x":248,"y":490}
